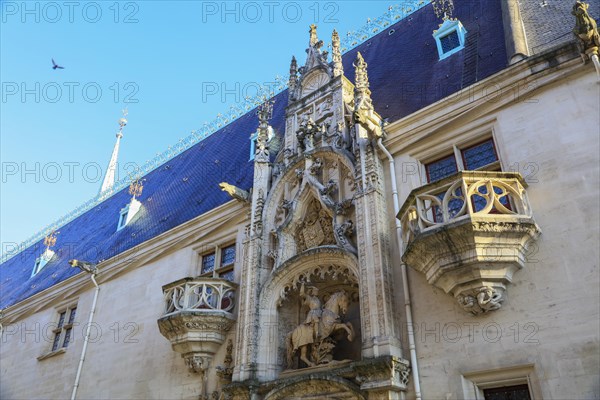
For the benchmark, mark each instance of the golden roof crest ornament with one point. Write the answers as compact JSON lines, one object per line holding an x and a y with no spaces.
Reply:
{"x":443,"y":8}
{"x":50,"y":239}
{"x":136,"y":187}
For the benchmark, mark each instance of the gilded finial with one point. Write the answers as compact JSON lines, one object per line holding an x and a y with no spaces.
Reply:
{"x":136,"y":187}
{"x":50,"y":239}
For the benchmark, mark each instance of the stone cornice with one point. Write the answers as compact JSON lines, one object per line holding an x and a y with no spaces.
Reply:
{"x":516,"y":83}
{"x":178,"y":237}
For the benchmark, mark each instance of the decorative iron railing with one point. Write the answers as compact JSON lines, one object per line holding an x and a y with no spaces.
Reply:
{"x":461,"y":196}
{"x":197,"y":294}
{"x":352,"y":39}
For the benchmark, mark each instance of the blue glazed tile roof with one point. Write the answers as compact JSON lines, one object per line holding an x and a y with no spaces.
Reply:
{"x":405,"y":76}
{"x":181,"y":189}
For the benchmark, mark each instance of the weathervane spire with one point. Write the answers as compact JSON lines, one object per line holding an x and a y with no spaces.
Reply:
{"x":111,"y":171}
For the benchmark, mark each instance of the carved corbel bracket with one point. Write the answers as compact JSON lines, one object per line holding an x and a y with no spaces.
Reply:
{"x":197,"y":362}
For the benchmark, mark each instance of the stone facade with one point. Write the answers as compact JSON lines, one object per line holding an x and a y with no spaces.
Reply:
{"x":504,"y":288}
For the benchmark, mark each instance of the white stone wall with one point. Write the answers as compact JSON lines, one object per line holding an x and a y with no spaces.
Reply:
{"x":551,"y":316}
{"x":127,"y":356}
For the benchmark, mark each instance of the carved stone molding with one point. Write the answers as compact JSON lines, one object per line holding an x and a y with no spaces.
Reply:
{"x":383,"y":377}
{"x":383,"y":374}
{"x":317,"y":388}
{"x":225,"y":372}
{"x":329,"y":262}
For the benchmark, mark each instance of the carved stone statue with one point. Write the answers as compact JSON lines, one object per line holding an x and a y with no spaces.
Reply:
{"x":312,"y":301}
{"x":306,"y":134}
{"x":315,"y":332}
{"x":235,"y":192}
{"x":586,"y":30}
{"x":343,"y":233}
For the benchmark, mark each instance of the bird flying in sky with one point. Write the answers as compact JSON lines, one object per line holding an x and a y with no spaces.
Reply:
{"x":55,"y":65}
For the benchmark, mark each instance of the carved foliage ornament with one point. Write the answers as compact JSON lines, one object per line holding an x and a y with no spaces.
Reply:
{"x":330,"y":272}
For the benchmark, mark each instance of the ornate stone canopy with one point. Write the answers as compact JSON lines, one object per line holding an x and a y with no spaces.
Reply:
{"x":329,"y":262}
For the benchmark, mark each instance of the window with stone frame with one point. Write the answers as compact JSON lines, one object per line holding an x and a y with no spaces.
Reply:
{"x":509,"y":383}
{"x":63,"y":333}
{"x":219,"y":263}
{"x":480,"y":156}
{"x":514,"y":392}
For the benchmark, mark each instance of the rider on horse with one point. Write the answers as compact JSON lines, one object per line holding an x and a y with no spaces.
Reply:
{"x":311,"y":300}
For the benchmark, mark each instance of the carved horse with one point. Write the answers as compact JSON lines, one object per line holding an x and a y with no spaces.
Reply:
{"x":303,"y":336}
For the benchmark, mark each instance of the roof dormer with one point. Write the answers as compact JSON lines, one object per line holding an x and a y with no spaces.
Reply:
{"x":41,"y":261}
{"x":130,"y":210}
{"x":450,"y":38}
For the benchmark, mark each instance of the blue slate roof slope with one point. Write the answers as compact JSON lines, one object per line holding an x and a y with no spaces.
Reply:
{"x":404,"y":69}
{"x":179,"y":190}
{"x":405,"y":76}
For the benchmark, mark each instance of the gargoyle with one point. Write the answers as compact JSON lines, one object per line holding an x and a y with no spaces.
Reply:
{"x":235,"y":192}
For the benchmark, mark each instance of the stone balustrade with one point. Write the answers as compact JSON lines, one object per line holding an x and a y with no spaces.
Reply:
{"x":491,"y":194}
{"x":197,"y":314}
{"x":198,"y":294}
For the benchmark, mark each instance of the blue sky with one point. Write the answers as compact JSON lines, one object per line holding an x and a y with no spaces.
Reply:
{"x":173,"y":64}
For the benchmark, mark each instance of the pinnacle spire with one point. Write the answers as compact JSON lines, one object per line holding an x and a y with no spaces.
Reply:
{"x":111,"y":171}
{"x":362,"y":78}
{"x":293,"y":81}
{"x":265,"y":112}
{"x":336,"y":54}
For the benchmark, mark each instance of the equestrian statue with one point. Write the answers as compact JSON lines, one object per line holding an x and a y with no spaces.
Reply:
{"x":321,"y":322}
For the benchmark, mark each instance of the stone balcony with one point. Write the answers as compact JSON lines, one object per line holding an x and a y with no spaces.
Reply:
{"x":197,"y":317}
{"x":468,"y":234}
